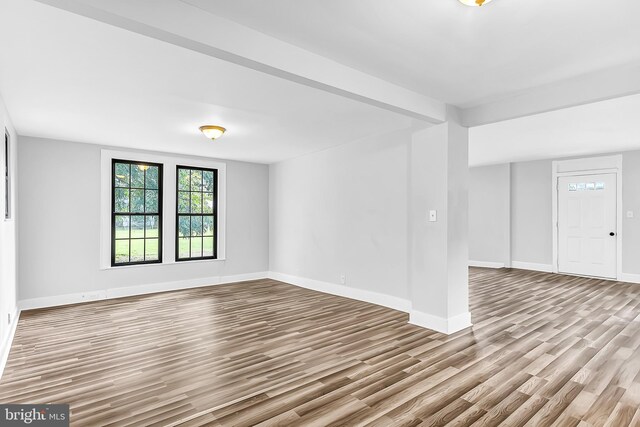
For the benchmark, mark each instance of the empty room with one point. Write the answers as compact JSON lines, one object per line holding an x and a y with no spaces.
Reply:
{"x":320,"y":213}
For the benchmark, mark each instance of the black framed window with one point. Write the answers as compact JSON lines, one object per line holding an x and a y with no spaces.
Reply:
{"x":196,"y":213}
{"x":7,"y":177}
{"x":136,"y":220}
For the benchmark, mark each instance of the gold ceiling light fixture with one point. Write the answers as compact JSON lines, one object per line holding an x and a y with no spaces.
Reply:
{"x":212,"y":132}
{"x":475,"y":3}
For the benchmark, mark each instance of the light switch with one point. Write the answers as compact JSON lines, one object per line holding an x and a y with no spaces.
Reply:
{"x":629,"y":214}
{"x":433,"y":216}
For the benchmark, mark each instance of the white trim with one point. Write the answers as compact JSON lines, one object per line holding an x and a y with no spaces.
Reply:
{"x":486,"y":264}
{"x":440,"y":324}
{"x":418,"y":318}
{"x":587,"y":173}
{"x":435,"y":323}
{"x":57,"y":300}
{"x":388,"y":301}
{"x":547,"y":268}
{"x":168,"y":206}
{"x":167,"y":263}
{"x":587,"y":166}
{"x":5,"y":349}
{"x":629,"y":278}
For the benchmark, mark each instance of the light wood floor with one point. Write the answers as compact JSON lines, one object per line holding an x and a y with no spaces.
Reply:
{"x":544,"y":350}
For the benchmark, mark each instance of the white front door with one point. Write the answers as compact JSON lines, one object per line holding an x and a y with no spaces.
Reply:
{"x":587,"y":217}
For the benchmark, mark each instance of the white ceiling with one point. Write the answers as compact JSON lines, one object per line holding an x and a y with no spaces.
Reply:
{"x":67,"y":77}
{"x":441,"y":48}
{"x":601,"y":127}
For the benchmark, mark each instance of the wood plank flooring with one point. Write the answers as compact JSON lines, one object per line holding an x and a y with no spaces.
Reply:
{"x":545,"y":350}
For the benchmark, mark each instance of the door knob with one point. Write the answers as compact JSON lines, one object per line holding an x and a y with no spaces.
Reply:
{"x":612,"y":234}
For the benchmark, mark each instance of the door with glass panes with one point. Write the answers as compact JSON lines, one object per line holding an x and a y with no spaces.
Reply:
{"x":587,"y":225}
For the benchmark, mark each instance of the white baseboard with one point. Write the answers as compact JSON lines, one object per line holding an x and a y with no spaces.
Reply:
{"x":395,"y":303}
{"x":440,"y":324}
{"x":486,"y":264}
{"x":450,"y":325}
{"x":629,"y":278}
{"x":547,"y":268}
{"x":57,"y":300}
{"x":418,"y":318}
{"x":5,"y":347}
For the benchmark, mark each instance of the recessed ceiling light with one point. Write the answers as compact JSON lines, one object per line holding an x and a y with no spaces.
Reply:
{"x":475,"y":2}
{"x":212,"y":132}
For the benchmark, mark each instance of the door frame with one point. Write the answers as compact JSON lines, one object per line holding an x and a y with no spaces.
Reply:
{"x":588,"y":166}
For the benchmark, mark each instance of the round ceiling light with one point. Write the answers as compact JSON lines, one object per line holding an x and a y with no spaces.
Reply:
{"x":475,"y":3}
{"x":212,"y":132}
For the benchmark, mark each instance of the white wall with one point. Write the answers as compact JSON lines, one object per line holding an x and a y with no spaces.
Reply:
{"x":429,"y":191}
{"x":343,"y":211}
{"x":439,"y":249}
{"x":531,"y":212}
{"x":489,"y":216}
{"x":607,"y":126}
{"x":8,"y":245}
{"x":60,"y":225}
{"x":631,"y":202}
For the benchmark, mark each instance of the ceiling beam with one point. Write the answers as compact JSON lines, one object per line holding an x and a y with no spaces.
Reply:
{"x":184,"y":25}
{"x":585,"y":89}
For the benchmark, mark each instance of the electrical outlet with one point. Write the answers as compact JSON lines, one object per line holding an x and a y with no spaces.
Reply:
{"x":343,"y":279}
{"x":93,"y":296}
{"x":433,"y":216}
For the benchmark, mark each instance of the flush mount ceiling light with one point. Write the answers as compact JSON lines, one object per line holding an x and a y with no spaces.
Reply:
{"x":476,"y":3}
{"x":212,"y":132}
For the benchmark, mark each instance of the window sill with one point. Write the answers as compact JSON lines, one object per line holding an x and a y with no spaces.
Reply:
{"x":195,"y":261}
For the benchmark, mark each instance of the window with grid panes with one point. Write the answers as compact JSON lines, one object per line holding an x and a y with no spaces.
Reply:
{"x":7,"y":177}
{"x":136,"y":220}
{"x":196,"y":213}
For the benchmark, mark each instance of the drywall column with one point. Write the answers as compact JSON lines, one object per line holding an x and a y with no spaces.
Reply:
{"x":439,"y":249}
